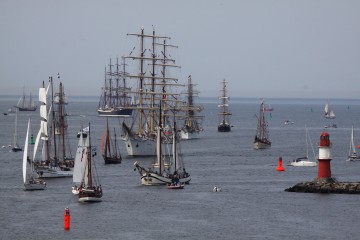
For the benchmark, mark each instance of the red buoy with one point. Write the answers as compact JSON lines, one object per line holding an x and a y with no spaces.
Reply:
{"x":67,"y":219}
{"x":280,"y":167}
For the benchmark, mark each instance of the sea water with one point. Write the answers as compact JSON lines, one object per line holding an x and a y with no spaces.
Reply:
{"x":251,"y":205}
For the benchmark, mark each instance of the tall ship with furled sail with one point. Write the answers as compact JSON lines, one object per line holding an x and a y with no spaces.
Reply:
{"x":26,"y":104}
{"x":115,"y":99}
{"x":262,"y":139}
{"x":154,"y":82}
{"x":55,"y":158}
{"x":224,"y":114}
{"x":192,"y":122}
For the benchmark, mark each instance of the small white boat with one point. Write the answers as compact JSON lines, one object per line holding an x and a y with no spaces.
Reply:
{"x":305,"y":161}
{"x":176,"y":186}
{"x":353,"y":155}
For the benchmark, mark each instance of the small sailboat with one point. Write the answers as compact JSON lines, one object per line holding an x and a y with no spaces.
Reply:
{"x":224,"y":125}
{"x":16,"y":147}
{"x":353,"y":155}
{"x":328,"y":113}
{"x":168,"y":168}
{"x":305,"y":161}
{"x":262,"y":140}
{"x":30,"y":181}
{"x":110,"y":149}
{"x":79,"y":163}
{"x":25,"y":104}
{"x":90,"y":189}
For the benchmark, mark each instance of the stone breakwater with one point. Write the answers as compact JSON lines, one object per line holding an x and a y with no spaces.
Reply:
{"x":330,"y":186}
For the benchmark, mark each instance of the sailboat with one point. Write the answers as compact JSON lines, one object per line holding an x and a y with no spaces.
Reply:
{"x":305,"y":161}
{"x":79,"y":163}
{"x":328,"y":113}
{"x":16,"y":147}
{"x":353,"y":155}
{"x":25,"y":104}
{"x":154,"y":82}
{"x":168,"y":168}
{"x":115,"y":99}
{"x":192,"y":125}
{"x":55,"y":161}
{"x":90,"y":189}
{"x":110,"y":150}
{"x":30,"y":181}
{"x":262,"y":140}
{"x":224,"y":114}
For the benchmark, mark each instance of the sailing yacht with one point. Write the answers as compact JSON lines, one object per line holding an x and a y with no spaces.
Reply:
{"x":90,"y":189}
{"x":305,"y":161}
{"x":115,"y":99}
{"x":328,"y":113}
{"x":109,"y":148}
{"x":55,"y":161}
{"x":192,"y":122}
{"x":262,"y":140}
{"x":16,"y":147}
{"x":353,"y":155}
{"x":168,"y":167}
{"x":79,"y":163}
{"x":153,"y":82}
{"x":26,"y":104}
{"x":31,"y":182}
{"x":224,"y":114}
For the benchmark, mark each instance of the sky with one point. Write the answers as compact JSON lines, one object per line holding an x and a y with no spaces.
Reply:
{"x":264,"y":49}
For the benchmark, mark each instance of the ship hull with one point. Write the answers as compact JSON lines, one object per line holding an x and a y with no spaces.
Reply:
{"x":153,"y":179}
{"x":114,"y":112}
{"x":261,"y":145}
{"x":189,"y":135}
{"x":224,"y":128}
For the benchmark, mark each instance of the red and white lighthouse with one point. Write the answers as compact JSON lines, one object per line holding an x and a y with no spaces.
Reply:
{"x":324,"y":170}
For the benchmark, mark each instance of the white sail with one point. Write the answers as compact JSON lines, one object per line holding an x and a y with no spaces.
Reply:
{"x":352,"y":145}
{"x":80,"y":160}
{"x":85,"y":159}
{"x":26,"y":147}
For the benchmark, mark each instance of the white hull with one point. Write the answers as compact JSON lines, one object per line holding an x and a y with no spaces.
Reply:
{"x":53,"y":173}
{"x":304,"y":164}
{"x":34,"y":186}
{"x":188,"y":135}
{"x":354,"y":158}
{"x":90,"y":199}
{"x":153,"y":179}
{"x":260,"y":145}
{"x":140,"y":147}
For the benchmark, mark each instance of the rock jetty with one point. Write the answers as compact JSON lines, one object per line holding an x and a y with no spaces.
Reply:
{"x":329,"y":186}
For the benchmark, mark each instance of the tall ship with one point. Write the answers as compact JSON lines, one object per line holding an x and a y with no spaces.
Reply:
{"x":155,"y":87}
{"x":224,"y":114}
{"x":262,"y":139}
{"x":115,"y":99}
{"x":192,"y":122}
{"x":26,"y":103}
{"x":56,"y":159}
{"x":168,"y":167}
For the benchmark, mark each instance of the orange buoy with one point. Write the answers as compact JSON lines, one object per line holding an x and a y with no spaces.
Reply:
{"x":67,"y":219}
{"x":280,"y":167}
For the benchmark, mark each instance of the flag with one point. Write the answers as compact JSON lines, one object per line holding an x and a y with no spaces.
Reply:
{"x":31,"y":141}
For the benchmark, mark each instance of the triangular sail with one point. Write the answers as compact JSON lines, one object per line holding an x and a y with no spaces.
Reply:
{"x":80,"y":160}
{"x":26,"y":147}
{"x":352,"y":145}
{"x":85,"y":158}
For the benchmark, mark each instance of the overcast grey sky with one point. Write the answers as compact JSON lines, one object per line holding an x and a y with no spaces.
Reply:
{"x":285,"y":48}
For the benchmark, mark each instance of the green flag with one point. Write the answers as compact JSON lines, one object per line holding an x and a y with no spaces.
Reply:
{"x":31,"y":141}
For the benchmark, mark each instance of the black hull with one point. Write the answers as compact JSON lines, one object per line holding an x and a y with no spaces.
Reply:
{"x":114,"y":112}
{"x":110,"y":160}
{"x":224,"y":128}
{"x":16,"y":149}
{"x":21,"y":109}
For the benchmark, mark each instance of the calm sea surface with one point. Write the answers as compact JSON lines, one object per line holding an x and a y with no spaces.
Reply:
{"x":252,"y":205}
